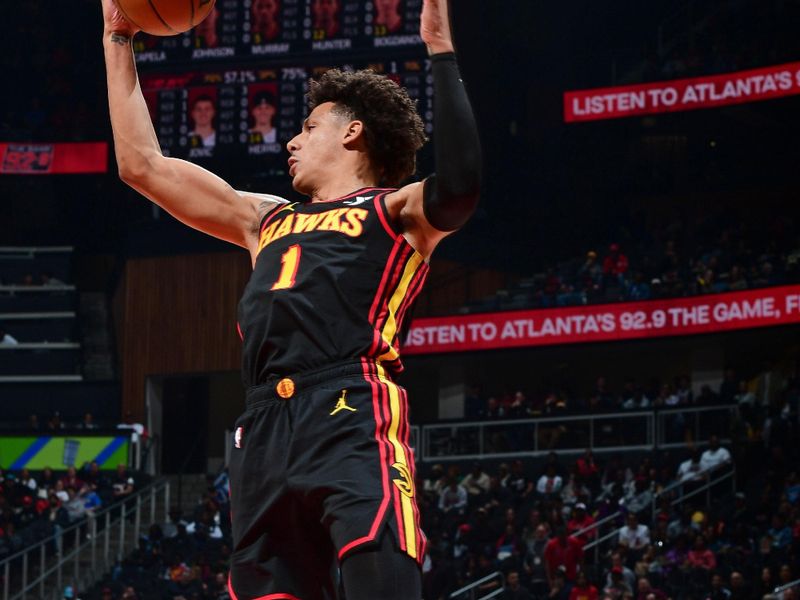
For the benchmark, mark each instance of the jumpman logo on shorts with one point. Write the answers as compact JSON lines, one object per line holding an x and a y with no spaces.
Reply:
{"x":341,"y":404}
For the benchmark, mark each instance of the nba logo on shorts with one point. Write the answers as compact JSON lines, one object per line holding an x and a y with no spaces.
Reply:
{"x":237,"y":437}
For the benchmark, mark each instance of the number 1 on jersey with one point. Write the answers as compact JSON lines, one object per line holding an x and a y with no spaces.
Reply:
{"x":289,"y":263}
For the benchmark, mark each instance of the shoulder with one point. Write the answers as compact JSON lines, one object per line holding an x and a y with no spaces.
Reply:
{"x":263,"y":204}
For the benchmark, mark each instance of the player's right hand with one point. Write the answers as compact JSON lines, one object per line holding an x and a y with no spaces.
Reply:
{"x":115,"y":22}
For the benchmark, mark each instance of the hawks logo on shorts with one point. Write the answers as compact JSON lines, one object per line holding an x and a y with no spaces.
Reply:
{"x":237,"y":437}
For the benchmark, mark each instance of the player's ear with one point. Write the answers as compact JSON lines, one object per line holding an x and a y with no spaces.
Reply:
{"x":354,"y":133}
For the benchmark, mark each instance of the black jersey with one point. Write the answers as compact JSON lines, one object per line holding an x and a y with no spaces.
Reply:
{"x":333,"y":281}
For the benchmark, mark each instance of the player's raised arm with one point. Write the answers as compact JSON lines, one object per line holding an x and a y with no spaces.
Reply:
{"x":190,"y":193}
{"x":448,"y":198}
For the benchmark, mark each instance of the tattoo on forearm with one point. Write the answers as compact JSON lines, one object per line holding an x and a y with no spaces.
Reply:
{"x":119,"y":39}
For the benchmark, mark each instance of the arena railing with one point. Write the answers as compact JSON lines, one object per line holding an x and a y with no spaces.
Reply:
{"x":471,"y":591}
{"x":778,"y":591}
{"x":705,"y":474}
{"x":573,"y":434}
{"x":682,"y":496}
{"x":92,"y":545}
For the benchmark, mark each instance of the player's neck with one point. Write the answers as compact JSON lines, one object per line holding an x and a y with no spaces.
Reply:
{"x":347,"y":177}
{"x":339,"y":188}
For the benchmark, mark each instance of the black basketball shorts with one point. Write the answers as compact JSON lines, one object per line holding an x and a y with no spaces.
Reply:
{"x":320,"y":467}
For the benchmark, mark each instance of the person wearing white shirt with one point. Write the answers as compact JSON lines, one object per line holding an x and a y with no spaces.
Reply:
{"x":550,"y":482}
{"x":477,"y":481}
{"x":634,"y":535}
{"x":691,"y":470}
{"x":6,"y":339}
{"x":715,"y":456}
{"x":453,"y":497}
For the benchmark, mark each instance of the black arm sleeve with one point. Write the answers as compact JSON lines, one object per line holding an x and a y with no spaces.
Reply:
{"x":451,"y":194}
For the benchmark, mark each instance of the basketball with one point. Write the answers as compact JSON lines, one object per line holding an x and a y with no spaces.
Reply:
{"x":165,"y":17}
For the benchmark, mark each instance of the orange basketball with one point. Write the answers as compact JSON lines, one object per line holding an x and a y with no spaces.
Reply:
{"x":165,"y":17}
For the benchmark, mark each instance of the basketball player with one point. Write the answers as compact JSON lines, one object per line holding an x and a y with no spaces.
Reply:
{"x":388,"y":14}
{"x":326,"y":16}
{"x":265,"y":19}
{"x":322,"y":477}
{"x":205,"y":33}
{"x":202,"y":113}
{"x":263,"y":131}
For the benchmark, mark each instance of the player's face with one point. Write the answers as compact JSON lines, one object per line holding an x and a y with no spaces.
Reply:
{"x":209,"y":24}
{"x":263,"y":113}
{"x":326,"y":9}
{"x":387,"y":7}
{"x":266,"y":9}
{"x":203,"y":113}
{"x":317,"y":149}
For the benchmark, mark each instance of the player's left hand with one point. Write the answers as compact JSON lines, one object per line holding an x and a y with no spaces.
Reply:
{"x":435,"y":26}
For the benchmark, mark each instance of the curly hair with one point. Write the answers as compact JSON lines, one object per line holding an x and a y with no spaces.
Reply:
{"x":393,"y":130}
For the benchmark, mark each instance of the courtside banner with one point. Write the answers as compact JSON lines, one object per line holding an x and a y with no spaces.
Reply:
{"x":53,"y":159}
{"x":606,"y":322}
{"x":683,"y":94}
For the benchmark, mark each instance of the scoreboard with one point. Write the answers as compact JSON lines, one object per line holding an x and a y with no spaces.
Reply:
{"x":216,"y":113}
{"x":234,"y":87}
{"x":254,"y":30}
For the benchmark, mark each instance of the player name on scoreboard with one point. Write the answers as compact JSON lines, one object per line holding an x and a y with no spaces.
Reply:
{"x":252,"y":112}
{"x":275,"y":28}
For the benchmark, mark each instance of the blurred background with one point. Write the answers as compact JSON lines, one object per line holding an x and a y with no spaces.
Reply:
{"x":675,"y":233}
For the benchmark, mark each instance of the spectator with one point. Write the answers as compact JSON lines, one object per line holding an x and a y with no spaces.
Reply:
{"x":453,"y":498}
{"x":88,"y":422}
{"x":691,"y":470}
{"x":700,"y":557}
{"x":615,"y":266}
{"x":437,"y":481}
{"x":508,"y":546}
{"x":780,"y":533}
{"x":519,"y":484}
{"x":628,"y":576}
{"x":534,"y":562}
{"x":634,"y":535}
{"x":640,"y":497}
{"x":718,"y":590}
{"x":618,"y":589}
{"x":639,"y":288}
{"x":581,"y":520}
{"x":33,"y":423}
{"x":588,"y":469}
{"x":645,"y":590}
{"x":583,"y":589}
{"x":6,"y":339}
{"x":514,"y":590}
{"x":562,"y":551}
{"x":550,"y":483}
{"x":476,"y":482}
{"x":739,"y":588}
{"x":71,"y":479}
{"x":715,"y":456}
{"x":123,"y":483}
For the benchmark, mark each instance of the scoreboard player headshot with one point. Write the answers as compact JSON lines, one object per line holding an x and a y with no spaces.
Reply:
{"x":205,"y":33}
{"x":387,"y":14}
{"x":202,"y":110}
{"x":263,"y":109}
{"x":265,"y":19}
{"x":326,"y":16}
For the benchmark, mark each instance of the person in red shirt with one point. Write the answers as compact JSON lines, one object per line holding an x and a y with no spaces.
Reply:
{"x":615,"y":266}
{"x":71,"y":479}
{"x":583,"y":590}
{"x":563,"y":551}
{"x":701,"y":557}
{"x":581,"y":520}
{"x":588,"y":469}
